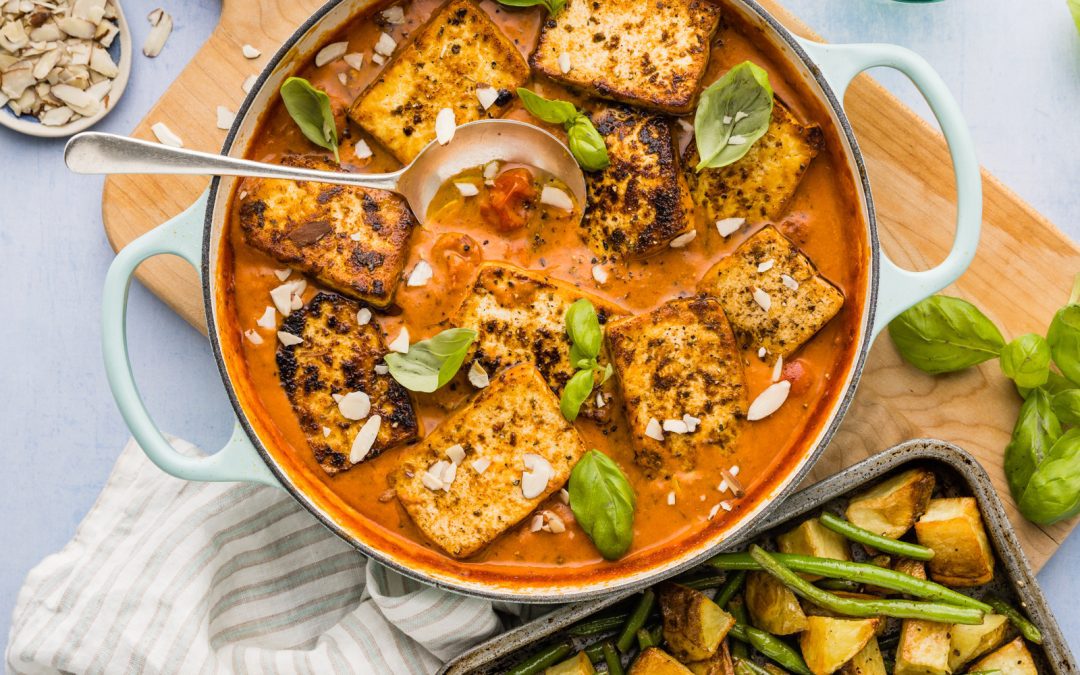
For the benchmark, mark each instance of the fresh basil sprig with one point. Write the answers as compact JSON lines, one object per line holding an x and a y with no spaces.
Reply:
{"x":1036,"y":430}
{"x":603,"y":503}
{"x":1066,"y":406}
{"x":310,"y":109}
{"x":943,"y":334}
{"x":553,"y":6}
{"x":734,"y":112}
{"x":1053,"y":492}
{"x":431,"y":363}
{"x":1026,"y":361}
{"x":1063,"y":335}
{"x":583,"y":329}
{"x":585,"y":142}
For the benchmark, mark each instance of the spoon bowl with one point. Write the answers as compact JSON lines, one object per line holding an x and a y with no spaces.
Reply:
{"x":473,"y":145}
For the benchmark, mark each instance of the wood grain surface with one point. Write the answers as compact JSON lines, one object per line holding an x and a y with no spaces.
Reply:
{"x":1021,"y":275}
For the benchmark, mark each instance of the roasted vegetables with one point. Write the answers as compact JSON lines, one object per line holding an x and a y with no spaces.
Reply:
{"x":891,"y":507}
{"x":867,"y":662}
{"x":953,"y":528}
{"x":772,"y":606}
{"x":970,"y":642}
{"x":654,"y":661}
{"x":813,"y":539}
{"x":828,"y":643}
{"x":694,"y":625}
{"x":1012,"y":659}
{"x":923,"y":649}
{"x":578,"y":664}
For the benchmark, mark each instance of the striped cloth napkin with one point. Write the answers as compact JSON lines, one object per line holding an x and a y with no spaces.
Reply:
{"x":168,"y":576}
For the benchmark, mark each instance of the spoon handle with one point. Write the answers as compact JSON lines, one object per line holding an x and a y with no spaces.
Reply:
{"x":97,"y":153}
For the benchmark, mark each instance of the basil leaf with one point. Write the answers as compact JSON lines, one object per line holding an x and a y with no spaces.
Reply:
{"x":1053,"y":493}
{"x":1055,"y":384}
{"x":583,"y":328}
{"x":1074,"y":7}
{"x":734,"y":112}
{"x":1036,"y":431}
{"x":587,"y":145}
{"x":552,"y":112}
{"x":943,"y":334}
{"x":575,"y":392}
{"x":1026,"y":361}
{"x":1064,"y":336}
{"x":1066,"y":406}
{"x":310,"y":109}
{"x":603,"y":503}
{"x":553,"y":6}
{"x":431,"y":363}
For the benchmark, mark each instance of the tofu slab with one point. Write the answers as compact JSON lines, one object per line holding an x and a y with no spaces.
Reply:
{"x":457,"y":50}
{"x":794,"y":315}
{"x":759,"y":186}
{"x":520,"y":317}
{"x":351,"y":239}
{"x":652,"y":54}
{"x":679,"y":359}
{"x":338,"y":356}
{"x":641,"y":201}
{"x":516,"y":415}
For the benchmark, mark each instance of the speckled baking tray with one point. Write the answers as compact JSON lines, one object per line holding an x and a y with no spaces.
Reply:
{"x":958,"y":474}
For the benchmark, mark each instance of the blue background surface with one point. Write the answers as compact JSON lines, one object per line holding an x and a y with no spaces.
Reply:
{"x":1015,"y":68}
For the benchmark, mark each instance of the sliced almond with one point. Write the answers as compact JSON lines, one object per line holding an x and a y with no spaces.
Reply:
{"x":654,"y":430}
{"x":363,"y":317}
{"x":421,"y":274}
{"x":77,"y":28}
{"x":534,"y":479}
{"x":692,"y":422}
{"x":164,"y":134}
{"x":762,"y":298}
{"x":356,"y":405}
{"x":249,"y":83}
{"x":729,"y":226}
{"x":393,"y":15}
{"x":225,"y":118}
{"x":365,"y":439}
{"x":683,"y":239}
{"x":331,"y":52}
{"x":161,"y":28}
{"x":789,"y":282}
{"x":564,"y":63}
{"x":769,"y":401}
{"x":268,"y":319}
{"x":481,"y":464}
{"x":766,"y":266}
{"x":253,"y":336}
{"x":467,"y":189}
{"x":732,"y":483}
{"x":354,"y":60}
{"x":400,"y":344}
{"x":554,"y":197}
{"x":445,"y":125}
{"x":361,"y":149}
{"x":386,"y":45}
{"x":250,"y":52}
{"x":487,"y":95}
{"x":778,"y":369}
{"x":676,"y":426}
{"x":456,"y":453}
{"x":288,"y":339}
{"x":600,"y":274}
{"x":478,"y":377}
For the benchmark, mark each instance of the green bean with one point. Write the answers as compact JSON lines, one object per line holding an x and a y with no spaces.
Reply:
{"x":595,"y":652}
{"x":901,"y":609}
{"x":866,"y":537}
{"x":737,"y":608}
{"x":595,"y":626}
{"x":541,"y":660}
{"x":838,"y":585}
{"x":636,"y":620}
{"x":747,"y":667}
{"x":732,"y":586}
{"x":771,"y":646}
{"x":1029,"y":630}
{"x":861,"y":572}
{"x":647,"y":638}
{"x":703,"y":583}
{"x":612,"y":659}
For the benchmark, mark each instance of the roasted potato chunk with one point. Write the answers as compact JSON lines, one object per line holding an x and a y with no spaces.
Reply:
{"x":578,"y":664}
{"x":953,"y":528}
{"x":813,"y":538}
{"x":759,"y":186}
{"x":773,"y":608}
{"x":923,"y":648}
{"x":655,"y":661}
{"x":679,"y":359}
{"x":459,"y":49}
{"x":799,"y":301}
{"x":719,"y":664}
{"x":867,"y":662}
{"x":619,"y":50}
{"x":694,"y":625}
{"x":510,"y":424}
{"x":828,"y":643}
{"x":891,"y":507}
{"x":640,"y":202}
{"x":1012,"y":659}
{"x":337,"y":356}
{"x":351,"y":239}
{"x":520,"y":316}
{"x":970,"y":642}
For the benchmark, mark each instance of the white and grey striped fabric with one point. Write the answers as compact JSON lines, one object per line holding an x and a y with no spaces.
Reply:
{"x":167,"y":576}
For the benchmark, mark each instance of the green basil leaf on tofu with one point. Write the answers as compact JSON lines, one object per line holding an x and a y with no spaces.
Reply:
{"x":943,"y":334}
{"x":603,"y":503}
{"x":1053,"y":492}
{"x":1066,"y":405}
{"x":1026,"y":361}
{"x":310,"y":109}
{"x":553,"y":6}
{"x":583,"y":328}
{"x":431,"y":363}
{"x":552,"y":112}
{"x":733,"y":113}
{"x":1037,"y":429}
{"x":575,"y":392}
{"x":585,"y":142}
{"x":1064,"y":336}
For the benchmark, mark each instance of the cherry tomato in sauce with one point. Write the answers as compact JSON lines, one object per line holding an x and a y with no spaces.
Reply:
{"x":509,"y":200}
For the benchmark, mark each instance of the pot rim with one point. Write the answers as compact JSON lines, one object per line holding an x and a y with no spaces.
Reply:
{"x":569,"y":591}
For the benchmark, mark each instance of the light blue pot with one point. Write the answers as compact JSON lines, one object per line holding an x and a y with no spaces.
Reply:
{"x":193,"y":235}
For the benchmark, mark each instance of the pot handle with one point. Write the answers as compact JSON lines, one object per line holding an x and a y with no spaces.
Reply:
{"x":898,"y":288}
{"x":237,"y":460}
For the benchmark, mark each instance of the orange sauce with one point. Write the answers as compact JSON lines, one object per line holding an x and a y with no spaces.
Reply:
{"x":823,"y":217}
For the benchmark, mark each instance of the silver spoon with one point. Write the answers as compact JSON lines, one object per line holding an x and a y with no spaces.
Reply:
{"x":474,"y":144}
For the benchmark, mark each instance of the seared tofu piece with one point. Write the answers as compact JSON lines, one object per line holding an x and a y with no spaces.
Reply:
{"x":1012,"y":659}
{"x":655,"y":661}
{"x":923,"y":648}
{"x":694,"y":625}
{"x":758,"y":186}
{"x":779,"y":307}
{"x":640,"y":202}
{"x":630,"y":51}
{"x":458,"y":50}
{"x":828,"y":642}
{"x":511,"y":427}
{"x":338,"y":357}
{"x":351,"y":239}
{"x":520,"y":316}
{"x":953,"y":528}
{"x":891,"y":507}
{"x":677,"y":362}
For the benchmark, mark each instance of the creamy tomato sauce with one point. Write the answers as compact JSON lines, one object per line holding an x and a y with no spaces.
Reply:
{"x":823,"y":218}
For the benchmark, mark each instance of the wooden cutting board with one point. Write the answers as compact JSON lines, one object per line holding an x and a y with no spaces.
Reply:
{"x":1020,"y":277}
